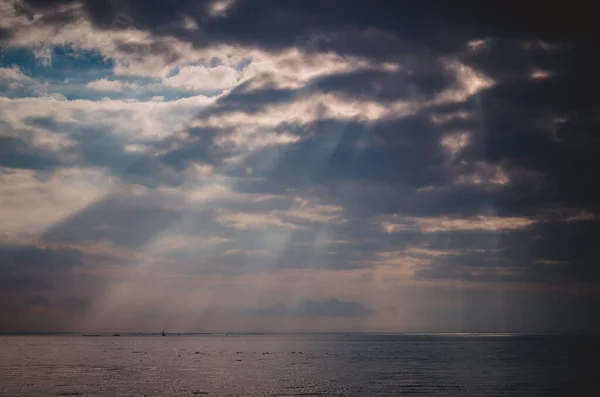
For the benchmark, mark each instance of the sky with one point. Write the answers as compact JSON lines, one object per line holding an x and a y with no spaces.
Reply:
{"x":298,"y":166}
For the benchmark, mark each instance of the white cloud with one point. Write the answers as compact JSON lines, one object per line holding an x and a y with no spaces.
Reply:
{"x":112,"y":85}
{"x":190,"y":24}
{"x":582,"y":216}
{"x":250,"y":138}
{"x":469,"y":82}
{"x":176,"y":242}
{"x":14,"y":73}
{"x":219,"y":8}
{"x":478,"y":44}
{"x":455,"y":143}
{"x":202,"y":78}
{"x":441,"y":118}
{"x":14,"y":79}
{"x":485,"y":174}
{"x":136,"y":148}
{"x":539,"y":74}
{"x":302,"y":212}
{"x":306,"y":109}
{"x":130,"y":118}
{"x":395,"y":223}
{"x":254,"y":221}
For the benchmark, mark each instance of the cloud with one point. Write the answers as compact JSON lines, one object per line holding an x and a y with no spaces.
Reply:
{"x":299,"y":216}
{"x":445,"y":224}
{"x":24,"y":282}
{"x":484,"y":173}
{"x":202,"y":78}
{"x":439,"y":149}
{"x":24,"y":257}
{"x":14,"y":78}
{"x":319,"y":308}
{"x":253,"y":221}
{"x":15,"y":153}
{"x":38,"y":300}
{"x":142,"y":119}
{"x":540,"y":74}
{"x":219,"y":8}
{"x":26,"y":268}
{"x":73,"y":302}
{"x":112,"y":85}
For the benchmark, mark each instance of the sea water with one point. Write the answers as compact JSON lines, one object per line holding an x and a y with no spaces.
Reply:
{"x":299,"y":365}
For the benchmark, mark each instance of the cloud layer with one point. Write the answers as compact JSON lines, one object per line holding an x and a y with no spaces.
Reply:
{"x":377,"y":166}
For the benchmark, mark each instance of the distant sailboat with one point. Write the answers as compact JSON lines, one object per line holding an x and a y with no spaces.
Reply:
{"x":163,"y":333}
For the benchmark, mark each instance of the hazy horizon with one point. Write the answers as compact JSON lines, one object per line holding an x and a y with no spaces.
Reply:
{"x":399,"y":333}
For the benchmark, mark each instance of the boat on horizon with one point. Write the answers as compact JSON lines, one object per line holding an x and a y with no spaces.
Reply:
{"x":163,"y":333}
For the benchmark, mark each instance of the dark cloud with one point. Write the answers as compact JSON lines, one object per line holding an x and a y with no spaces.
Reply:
{"x":558,"y":253}
{"x":72,"y":302}
{"x":252,"y":101}
{"x":38,"y":300}
{"x":35,"y":268}
{"x":197,"y":146}
{"x":17,"y":153}
{"x":19,"y":282}
{"x":414,"y":83}
{"x":398,"y":151}
{"x":34,"y":257}
{"x":435,"y":25}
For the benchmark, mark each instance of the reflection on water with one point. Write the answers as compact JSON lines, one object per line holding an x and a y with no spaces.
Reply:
{"x":298,"y":365}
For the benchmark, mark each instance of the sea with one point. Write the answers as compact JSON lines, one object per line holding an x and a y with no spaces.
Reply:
{"x":299,"y":365}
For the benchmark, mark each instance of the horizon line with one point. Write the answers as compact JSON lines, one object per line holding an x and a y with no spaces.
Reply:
{"x":415,"y":333}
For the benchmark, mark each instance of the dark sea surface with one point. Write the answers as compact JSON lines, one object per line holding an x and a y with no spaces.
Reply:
{"x":300,"y":365}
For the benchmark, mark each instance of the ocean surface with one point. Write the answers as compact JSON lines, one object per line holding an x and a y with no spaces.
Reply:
{"x":299,"y":365}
